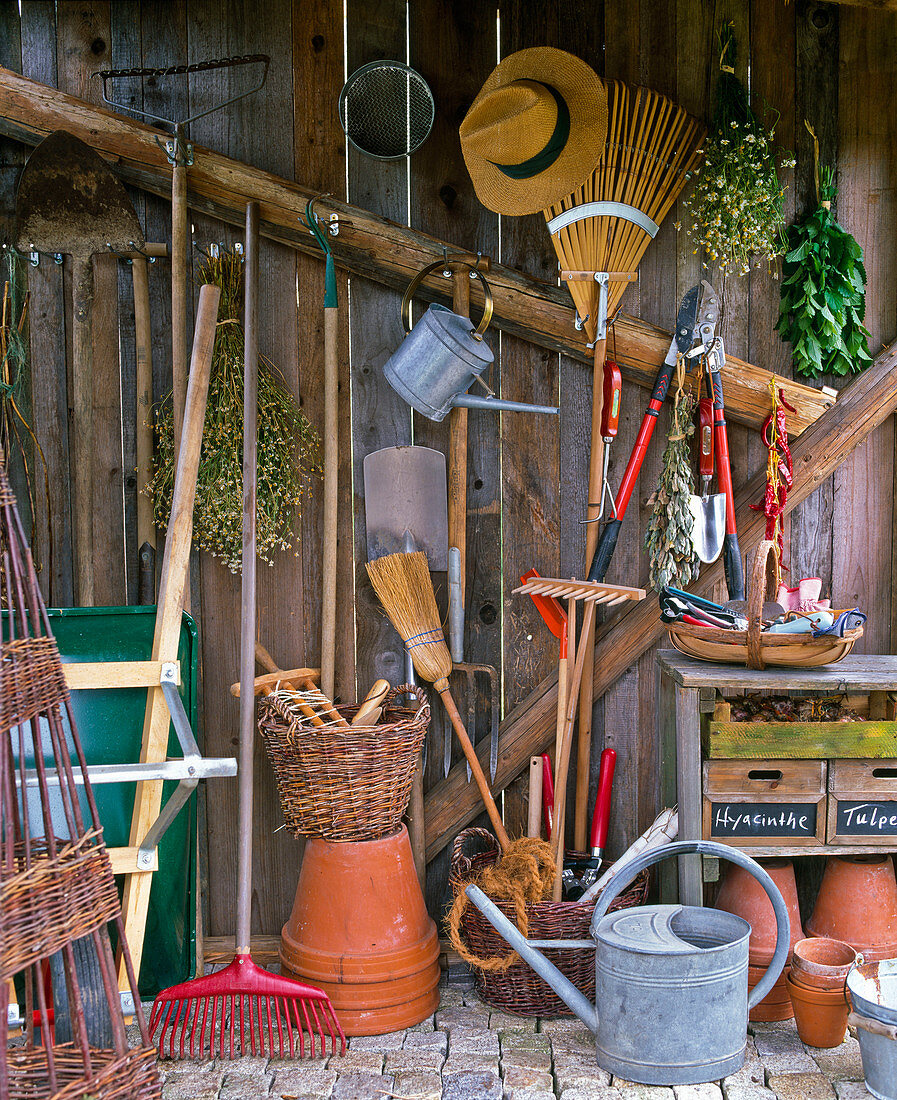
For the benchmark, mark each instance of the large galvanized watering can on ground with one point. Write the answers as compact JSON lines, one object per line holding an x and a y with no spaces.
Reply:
{"x":443,"y":355}
{"x":671,"y":981}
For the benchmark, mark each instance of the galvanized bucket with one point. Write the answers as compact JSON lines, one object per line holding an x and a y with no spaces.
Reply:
{"x":671,"y":980}
{"x":873,"y":993}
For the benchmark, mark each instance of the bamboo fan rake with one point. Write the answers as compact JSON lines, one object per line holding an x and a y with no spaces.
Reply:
{"x":404,"y":587}
{"x":600,"y":233}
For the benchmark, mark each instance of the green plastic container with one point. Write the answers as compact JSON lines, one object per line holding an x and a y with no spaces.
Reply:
{"x":110,"y":724}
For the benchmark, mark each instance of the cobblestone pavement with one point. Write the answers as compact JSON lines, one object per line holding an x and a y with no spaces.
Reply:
{"x":467,"y":1051}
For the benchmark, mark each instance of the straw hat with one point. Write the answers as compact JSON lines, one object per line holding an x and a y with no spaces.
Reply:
{"x":535,"y":131}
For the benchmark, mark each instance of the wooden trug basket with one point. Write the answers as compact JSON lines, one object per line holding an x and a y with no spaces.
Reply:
{"x":753,"y":648}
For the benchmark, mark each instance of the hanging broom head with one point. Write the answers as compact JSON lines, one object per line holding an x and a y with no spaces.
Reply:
{"x":404,"y":587}
{"x":652,"y":144}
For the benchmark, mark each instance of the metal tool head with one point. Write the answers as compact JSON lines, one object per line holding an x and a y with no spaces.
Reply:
{"x":69,"y":200}
{"x":709,"y":513}
{"x":405,"y":490}
{"x":686,"y":322}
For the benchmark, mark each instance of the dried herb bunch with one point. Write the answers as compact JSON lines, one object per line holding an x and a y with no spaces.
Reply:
{"x":668,"y":539}
{"x":288,"y":446}
{"x":823,"y":301}
{"x":736,"y":203}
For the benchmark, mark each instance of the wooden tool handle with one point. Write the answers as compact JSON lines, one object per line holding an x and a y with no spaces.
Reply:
{"x":264,"y":658}
{"x":82,"y":423}
{"x":298,"y":678}
{"x":180,"y":293}
{"x":143,"y":352}
{"x":370,"y":710}
{"x":534,"y":815}
{"x":301,"y":683}
{"x":470,"y":754}
{"x":331,"y":486}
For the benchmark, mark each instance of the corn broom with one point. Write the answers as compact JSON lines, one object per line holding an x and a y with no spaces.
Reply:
{"x":404,"y":587}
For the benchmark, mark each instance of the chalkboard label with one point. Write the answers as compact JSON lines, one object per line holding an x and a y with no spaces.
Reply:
{"x":763,"y":819}
{"x":868,"y":818}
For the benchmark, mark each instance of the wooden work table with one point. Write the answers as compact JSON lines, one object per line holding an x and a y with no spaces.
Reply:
{"x":686,"y":689}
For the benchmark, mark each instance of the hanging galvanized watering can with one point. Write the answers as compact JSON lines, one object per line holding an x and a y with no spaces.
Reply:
{"x":671,"y":985}
{"x":442,"y":356}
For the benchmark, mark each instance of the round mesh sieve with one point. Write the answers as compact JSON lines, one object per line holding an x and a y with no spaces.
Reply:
{"x":386,"y":109}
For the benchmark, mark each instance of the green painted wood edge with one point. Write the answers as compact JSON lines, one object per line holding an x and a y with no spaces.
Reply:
{"x":801,"y":740}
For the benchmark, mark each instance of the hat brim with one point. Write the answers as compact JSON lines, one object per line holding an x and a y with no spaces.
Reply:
{"x":586,"y":97}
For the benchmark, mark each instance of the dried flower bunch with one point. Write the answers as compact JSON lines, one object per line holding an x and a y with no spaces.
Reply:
{"x":668,"y":539}
{"x":823,"y":301}
{"x":288,"y":446}
{"x":736,"y":203}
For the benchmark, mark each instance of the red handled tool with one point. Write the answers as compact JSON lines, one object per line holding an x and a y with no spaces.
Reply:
{"x":601,"y":813}
{"x":547,"y":795}
{"x":610,"y":420}
{"x":681,"y":344}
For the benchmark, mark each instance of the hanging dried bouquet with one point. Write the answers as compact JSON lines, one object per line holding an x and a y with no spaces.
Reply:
{"x":288,"y":446}
{"x":735,"y":205}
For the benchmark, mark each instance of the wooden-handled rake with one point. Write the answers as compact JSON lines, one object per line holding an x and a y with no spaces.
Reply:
{"x":591,"y":593}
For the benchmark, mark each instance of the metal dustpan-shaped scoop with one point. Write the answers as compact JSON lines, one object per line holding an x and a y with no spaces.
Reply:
{"x":405,"y":498}
{"x":710,"y":525}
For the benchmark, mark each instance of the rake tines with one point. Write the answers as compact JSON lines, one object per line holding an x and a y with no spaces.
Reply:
{"x":244,"y":1009}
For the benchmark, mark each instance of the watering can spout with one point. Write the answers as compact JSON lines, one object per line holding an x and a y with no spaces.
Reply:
{"x":498,"y":404}
{"x":575,"y":1000}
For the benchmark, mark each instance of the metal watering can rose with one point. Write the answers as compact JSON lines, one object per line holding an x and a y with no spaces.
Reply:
{"x":671,"y":981}
{"x":442,"y":355}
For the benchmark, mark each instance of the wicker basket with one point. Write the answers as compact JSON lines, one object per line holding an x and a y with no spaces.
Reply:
{"x":753,"y":648}
{"x":519,"y":989}
{"x":339,"y":783}
{"x":129,"y":1077}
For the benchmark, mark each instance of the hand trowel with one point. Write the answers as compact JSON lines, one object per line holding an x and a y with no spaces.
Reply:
{"x":709,"y":511}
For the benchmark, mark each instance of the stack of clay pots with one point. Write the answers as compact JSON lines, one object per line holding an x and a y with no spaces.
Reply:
{"x":857,"y":904}
{"x":817,"y":984}
{"x":741,"y":894}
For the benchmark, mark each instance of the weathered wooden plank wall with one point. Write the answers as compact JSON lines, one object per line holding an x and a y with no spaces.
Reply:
{"x":526,"y":476}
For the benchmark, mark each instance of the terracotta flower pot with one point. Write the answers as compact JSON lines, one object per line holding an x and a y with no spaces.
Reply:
{"x":741,"y":894}
{"x":820,"y":1015}
{"x":776,"y":1005}
{"x":857,"y":904}
{"x":820,"y":963}
{"x":360,"y":931}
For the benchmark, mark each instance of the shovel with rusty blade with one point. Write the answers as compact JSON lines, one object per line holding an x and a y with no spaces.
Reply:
{"x":709,"y":511}
{"x":69,"y":200}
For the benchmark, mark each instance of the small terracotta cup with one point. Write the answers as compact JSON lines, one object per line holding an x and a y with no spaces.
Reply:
{"x":820,"y":1014}
{"x":822,"y":963}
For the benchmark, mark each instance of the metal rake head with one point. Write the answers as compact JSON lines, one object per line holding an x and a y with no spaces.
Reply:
{"x":244,"y":1009}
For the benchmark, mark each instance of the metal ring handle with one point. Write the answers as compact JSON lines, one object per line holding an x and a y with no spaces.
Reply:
{"x":419,"y":278}
{"x":618,"y":882}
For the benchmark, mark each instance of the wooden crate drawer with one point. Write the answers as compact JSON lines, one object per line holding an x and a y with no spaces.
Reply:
{"x":862,"y":802}
{"x":749,"y":740}
{"x":765,"y":802}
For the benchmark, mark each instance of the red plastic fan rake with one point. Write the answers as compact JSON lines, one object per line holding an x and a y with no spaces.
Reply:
{"x":244,"y":997}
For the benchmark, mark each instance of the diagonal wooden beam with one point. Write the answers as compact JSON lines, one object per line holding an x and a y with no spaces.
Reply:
{"x":368,"y":245}
{"x":453,"y":803}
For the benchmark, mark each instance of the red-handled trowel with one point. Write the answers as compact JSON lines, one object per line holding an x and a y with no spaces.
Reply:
{"x":709,"y":511}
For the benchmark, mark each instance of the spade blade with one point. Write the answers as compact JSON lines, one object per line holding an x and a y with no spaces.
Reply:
{"x":710,"y":525}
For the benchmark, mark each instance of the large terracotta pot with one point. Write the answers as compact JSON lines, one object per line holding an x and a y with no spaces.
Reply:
{"x":821,"y":963}
{"x":820,"y":1014}
{"x":360,"y":931}
{"x":740,"y":893}
{"x":857,"y":903}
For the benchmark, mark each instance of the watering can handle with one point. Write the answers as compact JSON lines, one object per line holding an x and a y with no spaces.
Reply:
{"x":619,"y":881}
{"x":437,"y":266}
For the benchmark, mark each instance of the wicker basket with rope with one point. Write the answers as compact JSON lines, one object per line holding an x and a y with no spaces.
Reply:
{"x":502,"y":979}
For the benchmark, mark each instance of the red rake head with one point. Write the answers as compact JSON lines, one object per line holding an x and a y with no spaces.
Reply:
{"x":244,"y":1009}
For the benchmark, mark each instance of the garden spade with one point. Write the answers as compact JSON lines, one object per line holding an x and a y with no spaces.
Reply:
{"x":709,"y":511}
{"x":69,"y":200}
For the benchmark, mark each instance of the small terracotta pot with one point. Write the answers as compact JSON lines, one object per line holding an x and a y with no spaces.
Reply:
{"x":821,"y":963}
{"x":360,"y":931}
{"x":776,"y":1005}
{"x":820,"y":1015}
{"x":857,"y":904}
{"x":740,"y":893}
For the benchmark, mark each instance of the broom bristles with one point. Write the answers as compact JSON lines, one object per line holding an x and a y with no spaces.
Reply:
{"x":404,"y":587}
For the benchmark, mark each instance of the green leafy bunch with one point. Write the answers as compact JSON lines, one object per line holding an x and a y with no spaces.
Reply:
{"x":668,"y":539}
{"x":288,"y":446}
{"x":823,"y":300}
{"x":736,"y":203}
